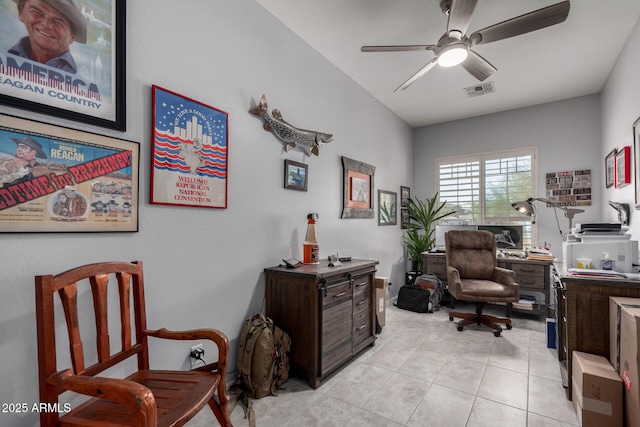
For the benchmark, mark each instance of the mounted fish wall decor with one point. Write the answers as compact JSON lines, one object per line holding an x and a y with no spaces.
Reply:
{"x":308,"y":140}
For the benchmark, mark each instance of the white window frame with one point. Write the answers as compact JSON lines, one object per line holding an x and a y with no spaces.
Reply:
{"x":481,"y":158}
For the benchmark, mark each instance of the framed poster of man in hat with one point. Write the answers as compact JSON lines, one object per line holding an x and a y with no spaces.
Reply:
{"x":51,"y":179}
{"x":64,"y":58}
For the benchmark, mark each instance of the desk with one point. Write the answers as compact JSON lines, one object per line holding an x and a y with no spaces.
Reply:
{"x":533,"y":276}
{"x":583,"y":315}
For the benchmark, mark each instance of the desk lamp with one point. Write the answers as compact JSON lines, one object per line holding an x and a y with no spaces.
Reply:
{"x":526,"y":207}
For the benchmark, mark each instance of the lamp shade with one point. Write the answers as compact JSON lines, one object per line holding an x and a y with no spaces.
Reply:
{"x":525,"y":207}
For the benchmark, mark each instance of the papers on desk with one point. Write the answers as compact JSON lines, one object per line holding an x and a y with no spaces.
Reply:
{"x":595,"y":273}
{"x":540,"y":253}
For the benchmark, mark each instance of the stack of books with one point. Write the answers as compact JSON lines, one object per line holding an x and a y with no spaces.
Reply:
{"x":540,"y":253}
{"x":526,"y":302}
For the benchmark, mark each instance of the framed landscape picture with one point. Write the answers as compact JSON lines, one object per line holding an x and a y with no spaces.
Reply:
{"x":296,"y":175}
{"x":83,"y":76}
{"x":55,"y":179}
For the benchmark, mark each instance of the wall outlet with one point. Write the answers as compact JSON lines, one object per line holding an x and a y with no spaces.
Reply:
{"x":196,"y":351}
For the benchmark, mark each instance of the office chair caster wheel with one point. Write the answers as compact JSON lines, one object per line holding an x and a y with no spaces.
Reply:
{"x":450,"y":319}
{"x":509,"y":326}
{"x":460,"y":328}
{"x":496,"y":333}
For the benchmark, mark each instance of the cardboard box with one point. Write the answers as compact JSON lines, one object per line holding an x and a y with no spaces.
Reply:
{"x":615,"y":314}
{"x":629,"y":340}
{"x":597,"y":391}
{"x":382,"y":283}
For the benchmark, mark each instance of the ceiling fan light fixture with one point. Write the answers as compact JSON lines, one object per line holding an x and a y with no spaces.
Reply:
{"x":453,"y":55}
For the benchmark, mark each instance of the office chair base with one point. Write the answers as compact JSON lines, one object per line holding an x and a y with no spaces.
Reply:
{"x":480,"y":319}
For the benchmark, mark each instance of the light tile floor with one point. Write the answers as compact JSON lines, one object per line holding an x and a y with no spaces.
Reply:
{"x":423,"y":372}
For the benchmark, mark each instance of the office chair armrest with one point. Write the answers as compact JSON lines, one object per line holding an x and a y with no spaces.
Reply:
{"x":453,"y":281}
{"x":504,"y":276}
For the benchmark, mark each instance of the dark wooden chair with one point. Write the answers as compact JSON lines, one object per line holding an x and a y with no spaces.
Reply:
{"x":144,"y":398}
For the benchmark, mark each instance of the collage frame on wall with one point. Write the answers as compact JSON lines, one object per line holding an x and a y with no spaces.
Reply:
{"x":65,"y":180}
{"x":85,"y":84}
{"x":189,"y":158}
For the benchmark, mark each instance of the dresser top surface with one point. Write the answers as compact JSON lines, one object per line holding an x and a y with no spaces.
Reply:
{"x":323,"y":270}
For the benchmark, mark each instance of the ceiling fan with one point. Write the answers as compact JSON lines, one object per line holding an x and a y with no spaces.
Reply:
{"x":454,"y":47}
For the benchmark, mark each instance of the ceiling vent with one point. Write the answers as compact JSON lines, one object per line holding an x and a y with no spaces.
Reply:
{"x":482,"y":89}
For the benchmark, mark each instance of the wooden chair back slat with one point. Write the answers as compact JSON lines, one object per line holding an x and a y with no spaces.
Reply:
{"x":124,"y":291}
{"x":99,"y":285}
{"x":69,"y":298}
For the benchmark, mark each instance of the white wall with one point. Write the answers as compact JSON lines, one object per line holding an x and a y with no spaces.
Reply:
{"x":567,"y":134}
{"x":620,"y":109}
{"x":204,"y":267}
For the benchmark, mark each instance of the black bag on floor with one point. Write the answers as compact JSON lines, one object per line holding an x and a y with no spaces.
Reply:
{"x":413,"y":298}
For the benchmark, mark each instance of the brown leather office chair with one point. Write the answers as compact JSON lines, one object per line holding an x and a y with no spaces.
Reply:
{"x":473,"y":275}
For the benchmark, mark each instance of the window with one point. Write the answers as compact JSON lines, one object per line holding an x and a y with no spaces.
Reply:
{"x":481,"y":188}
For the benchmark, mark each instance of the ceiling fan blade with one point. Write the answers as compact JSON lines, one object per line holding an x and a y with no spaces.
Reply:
{"x":460,"y":15}
{"x":421,"y":72}
{"x":477,"y":66}
{"x":398,"y":48}
{"x":522,"y":24}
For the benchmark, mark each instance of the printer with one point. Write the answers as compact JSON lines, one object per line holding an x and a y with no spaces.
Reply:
{"x":596,"y":239}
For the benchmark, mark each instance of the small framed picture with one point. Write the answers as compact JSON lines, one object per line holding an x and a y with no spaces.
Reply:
{"x":623,"y":167}
{"x":387,"y":207}
{"x":296,"y":175}
{"x":405,"y":194}
{"x":610,"y":168}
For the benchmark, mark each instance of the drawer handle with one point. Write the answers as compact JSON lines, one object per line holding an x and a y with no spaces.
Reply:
{"x":361,"y":302}
{"x":341,"y":294}
{"x":361,"y":284}
{"x":528,"y":282}
{"x":527,"y":270}
{"x":362,"y":327}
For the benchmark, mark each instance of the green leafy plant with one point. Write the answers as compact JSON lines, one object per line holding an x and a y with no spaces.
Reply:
{"x":423,"y":216}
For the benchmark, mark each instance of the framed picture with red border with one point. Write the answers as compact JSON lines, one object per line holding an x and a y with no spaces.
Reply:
{"x":357,"y":189}
{"x":623,"y":166}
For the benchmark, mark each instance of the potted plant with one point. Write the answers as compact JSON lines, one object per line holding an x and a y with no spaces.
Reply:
{"x":421,"y":227}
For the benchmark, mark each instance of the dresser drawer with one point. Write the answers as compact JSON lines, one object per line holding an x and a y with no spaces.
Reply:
{"x":337,"y":292}
{"x":361,"y":301}
{"x":530,"y":282}
{"x":361,"y":284}
{"x":361,"y":327}
{"x":438,"y":266}
{"x":528,"y":270}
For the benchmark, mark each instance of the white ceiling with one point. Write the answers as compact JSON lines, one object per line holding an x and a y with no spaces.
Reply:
{"x":563,"y":61}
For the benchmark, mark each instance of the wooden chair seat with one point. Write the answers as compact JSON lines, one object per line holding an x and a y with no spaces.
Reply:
{"x":146,"y":398}
{"x":179,"y":395}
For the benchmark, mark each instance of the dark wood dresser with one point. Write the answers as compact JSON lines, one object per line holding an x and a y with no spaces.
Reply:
{"x":329,"y":312}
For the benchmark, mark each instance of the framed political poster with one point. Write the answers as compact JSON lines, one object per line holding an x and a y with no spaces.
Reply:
{"x":189,"y":159}
{"x":55,"y":179}
{"x":77,"y":72}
